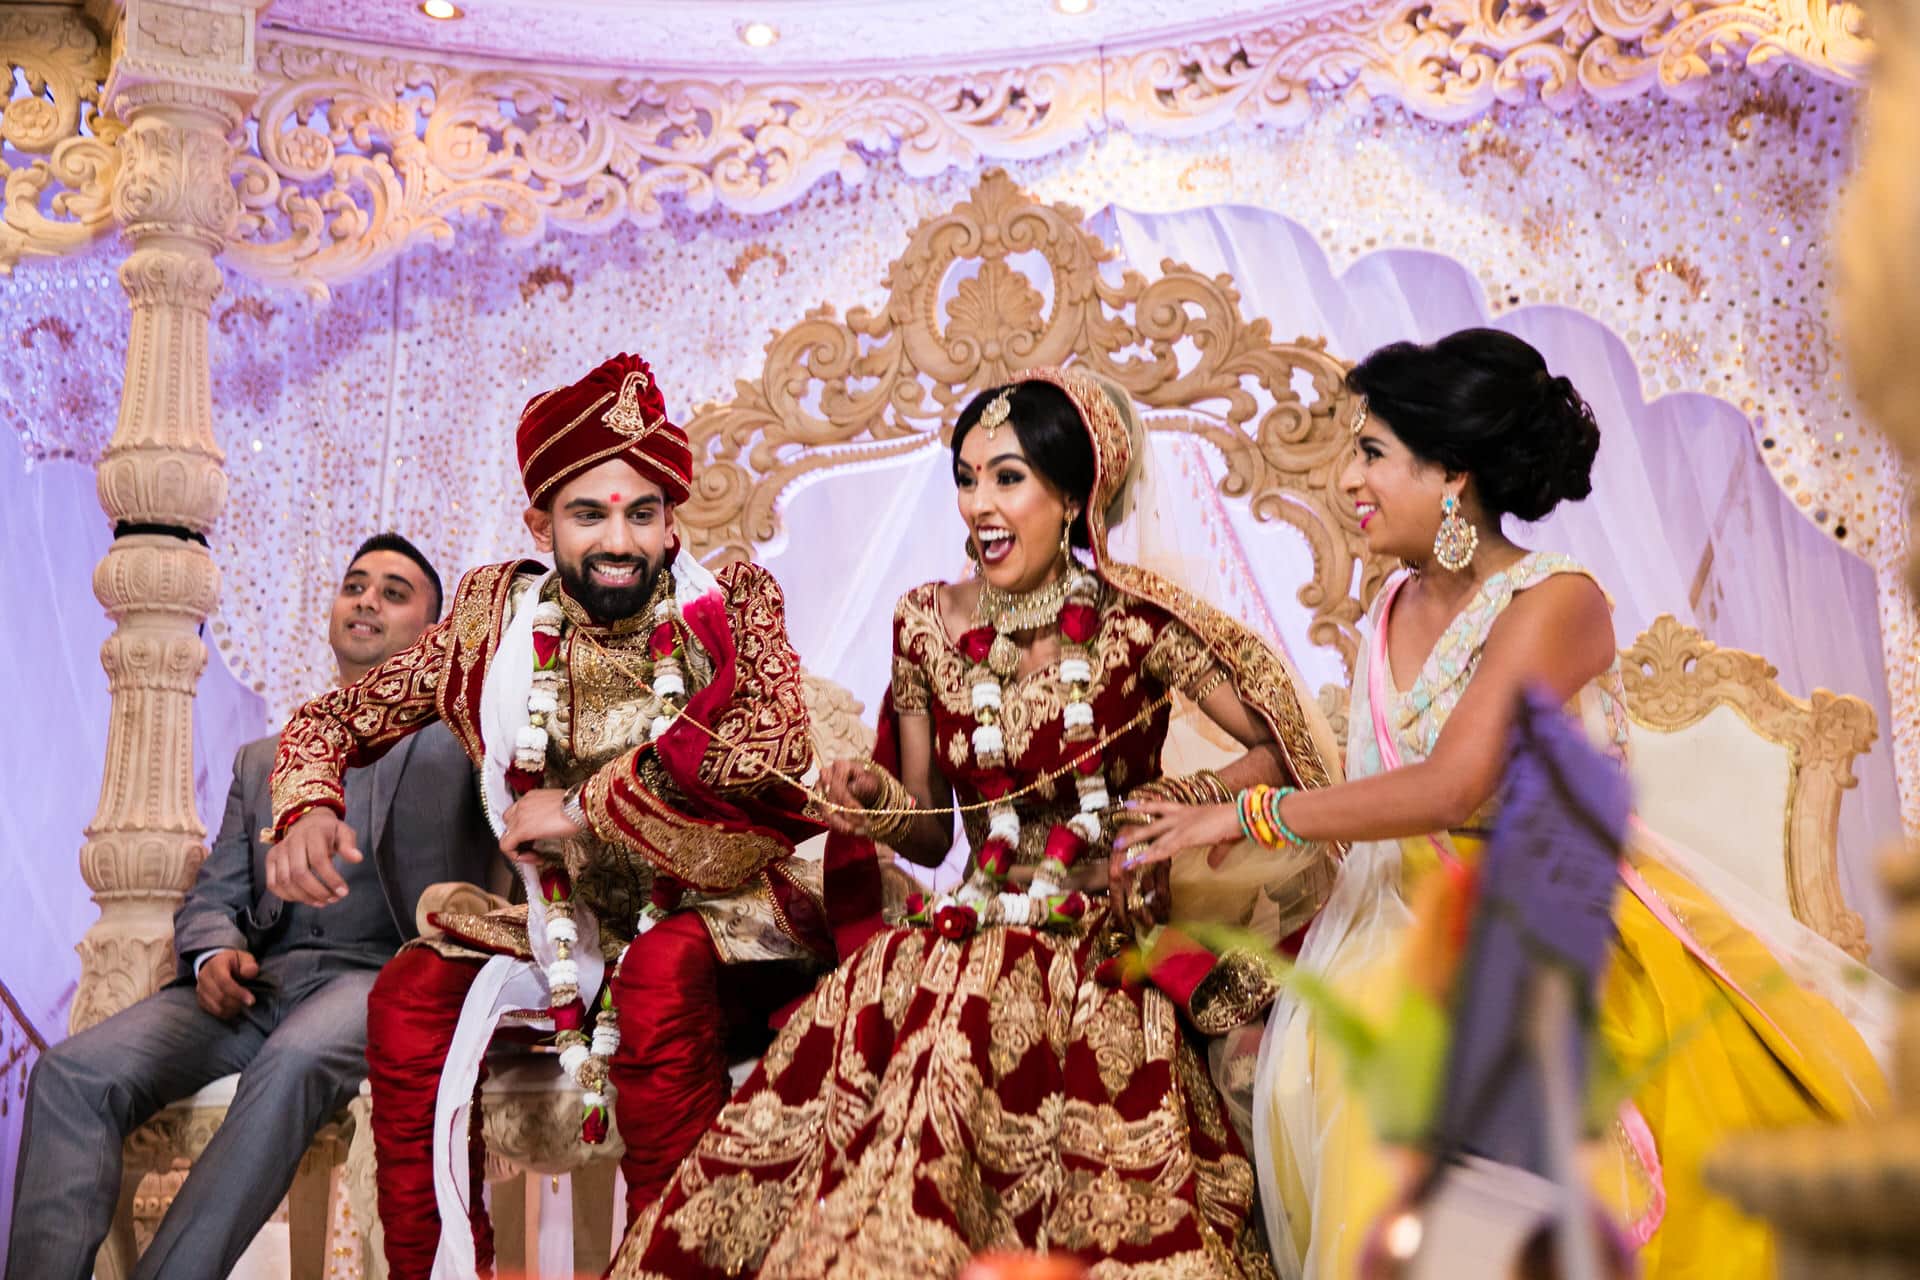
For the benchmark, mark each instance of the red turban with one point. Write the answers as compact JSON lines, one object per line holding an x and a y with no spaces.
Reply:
{"x":614,"y":412}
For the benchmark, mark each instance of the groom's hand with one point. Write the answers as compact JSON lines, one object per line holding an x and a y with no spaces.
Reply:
{"x":300,"y":864}
{"x":536,"y":816}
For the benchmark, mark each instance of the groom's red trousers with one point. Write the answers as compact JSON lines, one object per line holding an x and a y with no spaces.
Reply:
{"x":683,"y":1015}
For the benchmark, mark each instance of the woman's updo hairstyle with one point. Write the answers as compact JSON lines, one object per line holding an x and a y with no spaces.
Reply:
{"x":1052,"y":436}
{"x":1484,"y":402}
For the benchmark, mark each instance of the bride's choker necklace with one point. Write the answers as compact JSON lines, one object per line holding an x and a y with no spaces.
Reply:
{"x":1008,"y":612}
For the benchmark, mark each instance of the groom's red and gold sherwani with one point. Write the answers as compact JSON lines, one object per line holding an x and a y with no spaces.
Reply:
{"x":683,"y":902}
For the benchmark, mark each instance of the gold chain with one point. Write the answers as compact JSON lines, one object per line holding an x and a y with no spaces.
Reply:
{"x":819,"y":798}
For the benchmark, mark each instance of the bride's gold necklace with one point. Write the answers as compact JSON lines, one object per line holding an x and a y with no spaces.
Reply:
{"x":1008,"y":612}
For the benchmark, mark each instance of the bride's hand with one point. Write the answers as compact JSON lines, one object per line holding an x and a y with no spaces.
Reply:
{"x":1171,"y":828}
{"x":850,"y":783}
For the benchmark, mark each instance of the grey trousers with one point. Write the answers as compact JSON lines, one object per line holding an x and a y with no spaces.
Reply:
{"x":301,"y":1052}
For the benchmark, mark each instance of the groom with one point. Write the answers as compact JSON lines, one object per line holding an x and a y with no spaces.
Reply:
{"x":631,"y":715}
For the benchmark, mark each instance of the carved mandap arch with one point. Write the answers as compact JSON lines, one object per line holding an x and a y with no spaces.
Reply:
{"x":1001,"y":283}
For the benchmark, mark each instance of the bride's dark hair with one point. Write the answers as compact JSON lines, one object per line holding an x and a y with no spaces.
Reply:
{"x":1052,"y":436}
{"x":1483,"y":402}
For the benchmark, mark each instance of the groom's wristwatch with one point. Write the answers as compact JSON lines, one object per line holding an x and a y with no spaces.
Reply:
{"x":570,"y":806}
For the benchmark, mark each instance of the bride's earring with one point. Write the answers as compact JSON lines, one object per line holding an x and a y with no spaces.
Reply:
{"x":1457,"y":540}
{"x":1066,"y":536}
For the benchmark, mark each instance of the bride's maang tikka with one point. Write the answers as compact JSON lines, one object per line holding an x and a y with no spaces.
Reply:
{"x":994,"y":416}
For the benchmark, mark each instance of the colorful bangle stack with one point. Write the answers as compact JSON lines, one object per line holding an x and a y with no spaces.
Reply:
{"x":1260,"y":819}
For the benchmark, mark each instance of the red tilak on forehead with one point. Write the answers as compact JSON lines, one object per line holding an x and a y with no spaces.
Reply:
{"x":616,"y":497}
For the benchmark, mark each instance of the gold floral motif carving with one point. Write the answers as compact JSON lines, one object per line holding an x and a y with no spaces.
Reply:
{"x":890,"y":381}
{"x":57,"y":190}
{"x":352,"y":165}
{"x":1674,"y":677}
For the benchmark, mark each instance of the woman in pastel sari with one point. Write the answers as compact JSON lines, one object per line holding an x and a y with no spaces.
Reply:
{"x":1735,"y":1016}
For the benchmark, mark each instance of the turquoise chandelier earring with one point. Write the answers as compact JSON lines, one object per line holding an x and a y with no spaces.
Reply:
{"x":1457,"y":540}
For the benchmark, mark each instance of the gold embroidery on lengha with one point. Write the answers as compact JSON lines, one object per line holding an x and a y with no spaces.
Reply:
{"x":1016,"y":1018}
{"x":1197,"y":1085}
{"x":958,"y":750}
{"x":927,"y":1165}
{"x":1111,"y":1027}
{"x":731,"y":1222}
{"x":1104,"y":1210}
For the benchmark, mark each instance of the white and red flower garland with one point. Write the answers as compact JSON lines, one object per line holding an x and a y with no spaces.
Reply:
{"x":1047,"y":903}
{"x":584,"y":1058}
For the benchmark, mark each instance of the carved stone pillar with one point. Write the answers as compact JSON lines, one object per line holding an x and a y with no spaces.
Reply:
{"x":181,"y":82}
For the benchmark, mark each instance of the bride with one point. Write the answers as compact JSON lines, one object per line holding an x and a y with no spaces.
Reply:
{"x":1763,"y":1023}
{"x":968,"y":1081}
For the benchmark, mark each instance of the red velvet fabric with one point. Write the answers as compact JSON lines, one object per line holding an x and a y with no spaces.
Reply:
{"x":979,"y":1094}
{"x":684,"y":1014}
{"x":411,"y":1013}
{"x":615,"y":410}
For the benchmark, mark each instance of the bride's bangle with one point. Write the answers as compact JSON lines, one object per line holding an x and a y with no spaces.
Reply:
{"x":1260,"y":820}
{"x":892,"y":813}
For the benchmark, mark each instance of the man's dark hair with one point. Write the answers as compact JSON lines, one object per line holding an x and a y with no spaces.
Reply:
{"x":391,"y":541}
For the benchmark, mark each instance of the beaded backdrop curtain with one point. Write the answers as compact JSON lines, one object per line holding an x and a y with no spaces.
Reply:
{"x":1669,"y":259}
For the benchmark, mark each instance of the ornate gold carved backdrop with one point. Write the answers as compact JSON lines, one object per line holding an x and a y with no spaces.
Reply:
{"x":1001,"y":283}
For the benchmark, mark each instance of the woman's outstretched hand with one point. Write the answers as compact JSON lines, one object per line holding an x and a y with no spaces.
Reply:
{"x":1171,"y":828}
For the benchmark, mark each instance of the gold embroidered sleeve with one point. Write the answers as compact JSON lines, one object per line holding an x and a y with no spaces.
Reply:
{"x":911,"y":694}
{"x":701,"y":854}
{"x":354,"y":725}
{"x":1178,"y":660}
{"x":763,"y":727}
{"x":911,"y":688}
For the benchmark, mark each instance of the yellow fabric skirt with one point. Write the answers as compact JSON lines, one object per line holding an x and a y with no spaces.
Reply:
{"x":1745,"y":1048}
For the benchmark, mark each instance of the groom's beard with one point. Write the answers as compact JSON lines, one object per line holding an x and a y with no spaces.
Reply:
{"x":606,"y":604}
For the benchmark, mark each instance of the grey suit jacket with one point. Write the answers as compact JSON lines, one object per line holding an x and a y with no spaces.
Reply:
{"x":427,"y":823}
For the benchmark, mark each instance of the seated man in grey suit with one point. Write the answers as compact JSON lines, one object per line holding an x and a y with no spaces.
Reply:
{"x":274,"y":991}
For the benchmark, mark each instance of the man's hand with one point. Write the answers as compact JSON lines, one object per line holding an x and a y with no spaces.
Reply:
{"x":300,"y":864}
{"x":535,"y":816}
{"x":219,"y":986}
{"x":854,"y":784}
